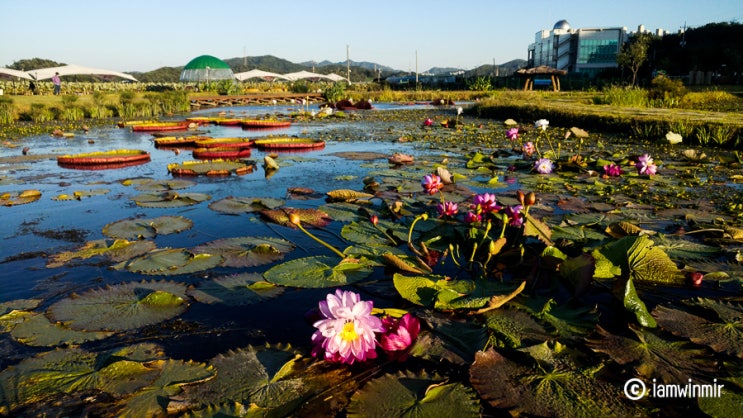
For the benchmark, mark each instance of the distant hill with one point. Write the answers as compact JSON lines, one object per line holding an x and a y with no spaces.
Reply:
{"x":502,"y":70}
{"x":443,"y":70}
{"x":361,"y":64}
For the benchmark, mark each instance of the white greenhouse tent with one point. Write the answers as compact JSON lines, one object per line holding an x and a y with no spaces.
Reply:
{"x":72,"y":69}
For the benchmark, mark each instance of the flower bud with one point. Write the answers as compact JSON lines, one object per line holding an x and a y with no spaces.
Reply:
{"x":520,"y":195}
{"x":531,"y":199}
{"x":374,"y":219}
{"x":424,"y":216}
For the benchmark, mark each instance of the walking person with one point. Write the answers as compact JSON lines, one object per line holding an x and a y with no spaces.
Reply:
{"x":57,"y":83}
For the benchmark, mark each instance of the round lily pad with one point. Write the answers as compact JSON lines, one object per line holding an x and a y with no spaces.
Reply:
{"x":169,"y":199}
{"x":237,"y":205}
{"x":235,"y":290}
{"x":147,"y":228}
{"x":171,"y":261}
{"x":247,"y":251}
{"x":121,"y":307}
{"x":319,"y":271}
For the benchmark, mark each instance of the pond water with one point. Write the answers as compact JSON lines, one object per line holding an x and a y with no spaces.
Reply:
{"x":34,"y":233}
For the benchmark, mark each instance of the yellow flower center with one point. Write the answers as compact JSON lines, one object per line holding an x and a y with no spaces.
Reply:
{"x":349,"y":332}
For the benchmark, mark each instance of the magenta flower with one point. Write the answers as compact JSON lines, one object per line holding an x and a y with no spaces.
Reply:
{"x":428,"y":122}
{"x":431,"y":183}
{"x":485,"y":203}
{"x":514,"y":215}
{"x":645,"y":165}
{"x":399,"y":335}
{"x":346,"y":334}
{"x":472,"y":217}
{"x":544,"y":166}
{"x":447,"y":209}
{"x":528,"y":149}
{"x":613,"y":170}
{"x":512,"y":134}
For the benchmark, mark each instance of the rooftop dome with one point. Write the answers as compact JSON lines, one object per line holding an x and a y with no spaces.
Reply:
{"x":562,"y":24}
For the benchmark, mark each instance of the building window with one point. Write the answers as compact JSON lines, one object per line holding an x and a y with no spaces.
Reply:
{"x":595,"y":51}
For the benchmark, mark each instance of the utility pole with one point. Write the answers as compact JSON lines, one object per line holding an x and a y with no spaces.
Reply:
{"x":416,"y":69}
{"x":348,"y":63}
{"x":245,"y":58}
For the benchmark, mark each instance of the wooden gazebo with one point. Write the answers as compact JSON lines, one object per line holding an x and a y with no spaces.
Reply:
{"x":533,"y":74}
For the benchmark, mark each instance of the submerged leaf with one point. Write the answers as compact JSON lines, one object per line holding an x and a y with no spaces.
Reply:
{"x":118,"y":250}
{"x":237,"y":205}
{"x":169,"y":199}
{"x":641,"y":261}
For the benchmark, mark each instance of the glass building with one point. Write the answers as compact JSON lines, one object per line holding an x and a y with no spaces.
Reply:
{"x":584,"y":50}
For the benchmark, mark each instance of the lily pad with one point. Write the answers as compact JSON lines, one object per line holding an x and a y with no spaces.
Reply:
{"x":79,"y":194}
{"x":115,"y":251}
{"x":169,"y":199}
{"x":319,"y":272}
{"x":19,"y":198}
{"x":723,"y":337}
{"x":171,"y":261}
{"x":246,"y":251}
{"x":413,"y":395}
{"x":151,"y":185}
{"x":36,"y":330}
{"x":121,"y":307}
{"x":237,"y":205}
{"x":236,"y":290}
{"x":147,"y":228}
{"x":312,"y":217}
{"x":642,"y":261}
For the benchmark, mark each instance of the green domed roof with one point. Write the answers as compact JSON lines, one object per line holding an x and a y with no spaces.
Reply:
{"x":205,"y":61}
{"x":206,"y":68}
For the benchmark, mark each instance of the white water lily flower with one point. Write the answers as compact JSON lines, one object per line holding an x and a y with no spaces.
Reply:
{"x":673,"y":138}
{"x":542,"y":124}
{"x":459,"y":111}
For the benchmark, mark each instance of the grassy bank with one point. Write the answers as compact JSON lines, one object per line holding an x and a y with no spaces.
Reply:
{"x":702,"y":127}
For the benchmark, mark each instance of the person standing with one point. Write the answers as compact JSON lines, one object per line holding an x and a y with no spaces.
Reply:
{"x":57,"y":83}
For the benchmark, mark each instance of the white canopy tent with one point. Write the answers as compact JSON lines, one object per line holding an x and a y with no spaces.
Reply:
{"x":256,"y":73}
{"x":11,"y":73}
{"x":336,"y":77}
{"x":306,"y":75}
{"x":72,"y":69}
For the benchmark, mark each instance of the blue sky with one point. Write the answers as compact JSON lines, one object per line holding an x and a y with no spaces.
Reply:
{"x":137,"y":35}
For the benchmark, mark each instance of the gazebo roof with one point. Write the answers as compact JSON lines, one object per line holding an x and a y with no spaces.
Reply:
{"x":541,"y":70}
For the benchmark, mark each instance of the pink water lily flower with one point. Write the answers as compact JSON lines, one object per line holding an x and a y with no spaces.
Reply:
{"x":399,"y":335}
{"x":431,"y":183}
{"x":544,"y":166}
{"x":512,"y":134}
{"x":514,"y":215}
{"x":645,"y":165}
{"x":472,"y":217}
{"x":347,"y":332}
{"x":613,"y":170}
{"x":447,"y":209}
{"x":485,"y":203}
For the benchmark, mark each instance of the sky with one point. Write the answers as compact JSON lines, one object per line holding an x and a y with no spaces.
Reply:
{"x":407,"y":35}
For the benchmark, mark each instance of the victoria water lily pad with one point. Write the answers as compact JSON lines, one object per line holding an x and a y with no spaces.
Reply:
{"x":169,"y":199}
{"x":319,"y":271}
{"x":114,"y":250}
{"x":246,"y":251}
{"x":237,"y":205}
{"x":235,"y":290}
{"x":413,"y":395}
{"x":147,"y":228}
{"x":210,"y":168}
{"x":121,"y":307}
{"x":171,"y":261}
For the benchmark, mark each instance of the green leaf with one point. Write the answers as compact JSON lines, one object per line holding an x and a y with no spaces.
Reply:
{"x":236,"y":290}
{"x":413,"y":396}
{"x":121,"y":307}
{"x":534,"y":227}
{"x":576,"y":233}
{"x":118,"y":250}
{"x":171,"y":261}
{"x":452,"y":340}
{"x":729,"y":402}
{"x":147,"y":228}
{"x":641,"y":261}
{"x":237,"y":205}
{"x":318,"y":271}
{"x":723,"y":337}
{"x":634,"y":304}
{"x":169,"y":199}
{"x":514,"y":328}
{"x":246,"y":251}
{"x":684,"y":249}
{"x":36,"y":330}
{"x":365,"y":233}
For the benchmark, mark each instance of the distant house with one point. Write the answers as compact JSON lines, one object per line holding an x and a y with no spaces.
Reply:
{"x":588,"y":51}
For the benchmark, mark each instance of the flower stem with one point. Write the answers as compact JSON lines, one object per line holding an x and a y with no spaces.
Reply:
{"x":328,"y":246}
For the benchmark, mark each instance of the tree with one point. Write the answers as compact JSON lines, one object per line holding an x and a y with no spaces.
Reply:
{"x":634,"y":53}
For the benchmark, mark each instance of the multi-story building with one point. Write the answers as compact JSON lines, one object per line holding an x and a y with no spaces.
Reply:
{"x":585,"y":50}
